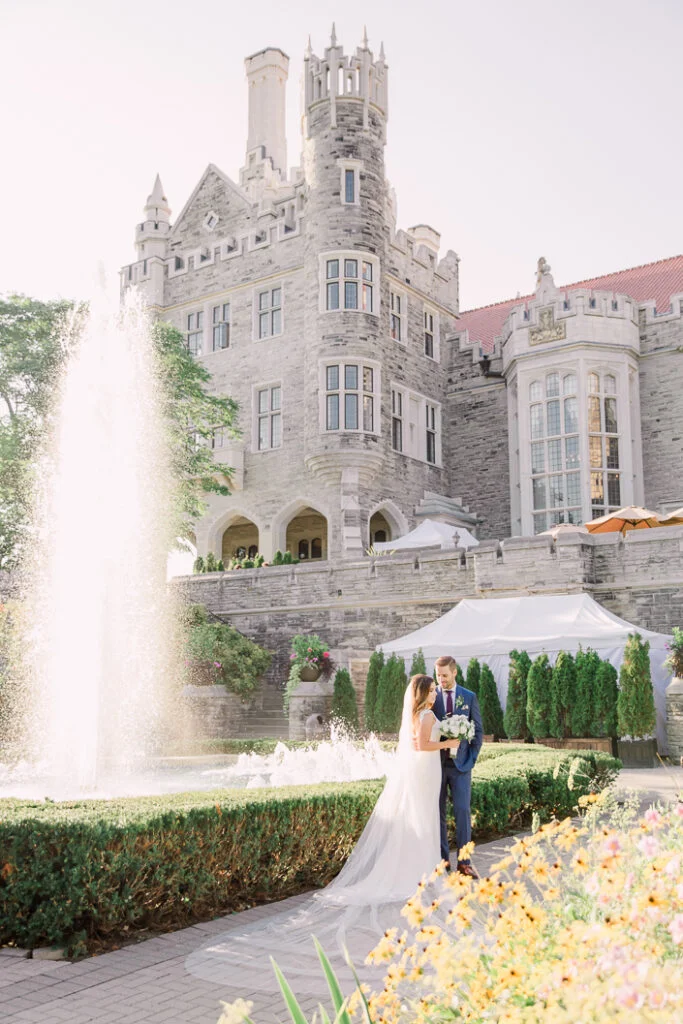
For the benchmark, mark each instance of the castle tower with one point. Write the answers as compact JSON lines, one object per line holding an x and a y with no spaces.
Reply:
{"x":151,"y":243}
{"x":345,"y":253}
{"x":266,"y":159}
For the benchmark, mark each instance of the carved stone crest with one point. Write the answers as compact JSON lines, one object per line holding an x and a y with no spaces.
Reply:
{"x":547,"y":329}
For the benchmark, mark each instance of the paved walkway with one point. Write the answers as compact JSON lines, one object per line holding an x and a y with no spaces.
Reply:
{"x":149,"y":983}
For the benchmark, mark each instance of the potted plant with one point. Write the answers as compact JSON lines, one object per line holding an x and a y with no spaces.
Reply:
{"x":674,"y":695}
{"x":310,"y":655}
{"x":637,"y":746}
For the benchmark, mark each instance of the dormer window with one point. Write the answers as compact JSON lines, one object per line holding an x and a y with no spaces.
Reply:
{"x":211,"y":221}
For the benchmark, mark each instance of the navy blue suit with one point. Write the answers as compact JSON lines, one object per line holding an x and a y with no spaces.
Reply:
{"x":456,"y":773}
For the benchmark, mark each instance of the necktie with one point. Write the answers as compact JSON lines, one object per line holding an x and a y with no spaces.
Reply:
{"x":449,"y":702}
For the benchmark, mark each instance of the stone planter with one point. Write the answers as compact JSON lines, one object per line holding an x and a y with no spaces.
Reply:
{"x":308,"y":674}
{"x":637,"y":753}
{"x":674,"y":718}
{"x":212,"y":712}
{"x":311,"y":697}
{"x":604,"y":744}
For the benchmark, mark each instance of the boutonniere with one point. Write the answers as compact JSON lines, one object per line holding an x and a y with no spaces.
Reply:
{"x":460,"y":703}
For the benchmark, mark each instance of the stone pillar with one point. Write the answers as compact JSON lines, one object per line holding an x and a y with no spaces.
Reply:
{"x":674,"y":718}
{"x":308,"y":699}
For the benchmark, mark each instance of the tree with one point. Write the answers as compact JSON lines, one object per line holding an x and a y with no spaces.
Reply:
{"x":418,"y":666}
{"x":635,"y":703}
{"x":473,"y":676}
{"x":515,"y":710}
{"x":489,"y":704}
{"x":562,"y":695}
{"x":344,"y":708}
{"x":583,"y":715}
{"x":390,"y":692}
{"x":605,"y":700}
{"x":459,"y":677}
{"x":538,"y":685}
{"x":371,"y":683}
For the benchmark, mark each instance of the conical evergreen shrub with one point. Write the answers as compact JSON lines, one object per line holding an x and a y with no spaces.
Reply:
{"x":538,"y":685}
{"x":489,"y":705}
{"x":515,"y":709}
{"x":418,"y":664}
{"x":344,"y":709}
{"x":605,"y":701}
{"x":473,"y":676}
{"x":371,"y":683}
{"x":562,"y":695}
{"x":635,"y":704}
{"x":390,"y":692}
{"x":459,"y":677}
{"x":587,"y":664}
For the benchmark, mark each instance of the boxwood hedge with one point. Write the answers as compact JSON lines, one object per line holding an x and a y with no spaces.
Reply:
{"x":76,"y":874}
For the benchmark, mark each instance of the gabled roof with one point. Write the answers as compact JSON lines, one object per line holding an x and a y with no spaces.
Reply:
{"x":651,"y":282}
{"x":230,"y":184}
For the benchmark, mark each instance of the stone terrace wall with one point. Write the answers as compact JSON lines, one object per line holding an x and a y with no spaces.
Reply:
{"x":354,"y":606}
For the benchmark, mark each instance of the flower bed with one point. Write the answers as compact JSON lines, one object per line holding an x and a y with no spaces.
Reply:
{"x":95,"y":871}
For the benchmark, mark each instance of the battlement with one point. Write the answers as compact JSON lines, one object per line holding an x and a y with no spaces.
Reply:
{"x":337,"y":78}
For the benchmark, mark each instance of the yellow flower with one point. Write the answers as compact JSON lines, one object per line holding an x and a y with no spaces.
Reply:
{"x":235,"y":1013}
{"x":466,"y":851}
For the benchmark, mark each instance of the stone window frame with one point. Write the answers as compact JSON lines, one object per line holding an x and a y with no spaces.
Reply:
{"x":195,"y":328}
{"x":361,"y":256}
{"x":258,"y":311}
{"x":550,"y":388}
{"x":221,"y":322}
{"x":354,"y":166}
{"x":431,"y":311}
{"x":414,"y":433}
{"x":401,"y":316}
{"x":342,"y":361}
{"x":604,"y":394}
{"x":270,"y":414}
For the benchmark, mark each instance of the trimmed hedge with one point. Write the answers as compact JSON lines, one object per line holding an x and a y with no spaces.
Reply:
{"x":73,"y":874}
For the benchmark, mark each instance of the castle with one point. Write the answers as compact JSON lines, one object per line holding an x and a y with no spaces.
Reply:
{"x":367,"y":399}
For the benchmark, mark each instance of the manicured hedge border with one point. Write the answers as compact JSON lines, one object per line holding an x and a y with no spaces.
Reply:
{"x":78,"y":873}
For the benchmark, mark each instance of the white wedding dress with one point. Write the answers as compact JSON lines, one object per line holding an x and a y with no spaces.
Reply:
{"x":399,"y":845}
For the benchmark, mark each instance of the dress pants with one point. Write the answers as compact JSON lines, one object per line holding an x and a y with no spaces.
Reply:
{"x":459,"y":784}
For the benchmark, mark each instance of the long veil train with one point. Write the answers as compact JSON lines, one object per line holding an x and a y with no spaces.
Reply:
{"x":399,"y":844}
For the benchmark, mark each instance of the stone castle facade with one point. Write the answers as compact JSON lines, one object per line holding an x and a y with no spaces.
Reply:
{"x":367,"y":399}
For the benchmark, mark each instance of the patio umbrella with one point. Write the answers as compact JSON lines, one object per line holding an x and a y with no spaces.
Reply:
{"x":674,"y":518}
{"x":559,"y":529}
{"x":624,"y":519}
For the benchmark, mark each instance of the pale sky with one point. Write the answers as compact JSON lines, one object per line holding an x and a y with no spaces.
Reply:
{"x":517,"y":128}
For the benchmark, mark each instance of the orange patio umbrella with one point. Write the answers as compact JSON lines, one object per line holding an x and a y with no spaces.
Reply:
{"x":674,"y":518}
{"x":624,"y":519}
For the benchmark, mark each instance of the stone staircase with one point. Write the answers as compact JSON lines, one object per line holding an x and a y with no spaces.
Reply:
{"x":268,"y":721}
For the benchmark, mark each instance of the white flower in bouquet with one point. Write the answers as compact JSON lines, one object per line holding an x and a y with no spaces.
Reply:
{"x":457,"y":727}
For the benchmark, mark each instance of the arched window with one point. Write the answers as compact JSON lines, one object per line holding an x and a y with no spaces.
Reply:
{"x":253,"y":551}
{"x":316,"y":548}
{"x":380,"y":537}
{"x":303,"y":549}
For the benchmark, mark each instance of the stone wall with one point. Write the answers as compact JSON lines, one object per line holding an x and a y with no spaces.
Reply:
{"x":661,"y":387}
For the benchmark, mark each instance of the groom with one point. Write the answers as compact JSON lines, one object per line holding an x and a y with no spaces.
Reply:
{"x":456,"y":773}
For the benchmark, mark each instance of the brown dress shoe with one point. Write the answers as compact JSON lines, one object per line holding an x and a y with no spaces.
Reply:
{"x":467,"y":869}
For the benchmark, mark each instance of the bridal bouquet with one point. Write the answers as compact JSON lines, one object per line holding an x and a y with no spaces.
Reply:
{"x":457,"y":727}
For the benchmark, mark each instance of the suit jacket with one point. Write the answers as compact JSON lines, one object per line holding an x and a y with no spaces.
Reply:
{"x":466,"y":703}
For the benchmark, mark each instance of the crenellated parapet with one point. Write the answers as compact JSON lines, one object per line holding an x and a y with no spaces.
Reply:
{"x":337,"y":78}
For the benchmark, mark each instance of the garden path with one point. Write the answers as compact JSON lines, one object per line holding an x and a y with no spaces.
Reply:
{"x":149,"y":983}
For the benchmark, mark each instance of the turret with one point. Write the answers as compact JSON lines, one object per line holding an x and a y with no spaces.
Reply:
{"x":266,"y":160}
{"x":151,"y":235}
{"x":335,"y":77}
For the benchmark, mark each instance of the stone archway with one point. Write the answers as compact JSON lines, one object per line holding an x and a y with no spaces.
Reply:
{"x":240,"y":539}
{"x":380,"y":528}
{"x":306,"y":535}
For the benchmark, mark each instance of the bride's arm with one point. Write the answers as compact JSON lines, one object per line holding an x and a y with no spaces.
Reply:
{"x":423,"y":741}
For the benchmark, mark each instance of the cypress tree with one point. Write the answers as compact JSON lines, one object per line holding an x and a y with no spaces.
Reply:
{"x":344,"y":708}
{"x":515,"y":709}
{"x":605,"y":701}
{"x":583,"y":714}
{"x":418,"y":666}
{"x":459,"y":677}
{"x":489,"y":703}
{"x":374,"y":669}
{"x":473,"y":676}
{"x":635,"y":703}
{"x":538,"y":697}
{"x":562,"y":695}
{"x":390,"y":692}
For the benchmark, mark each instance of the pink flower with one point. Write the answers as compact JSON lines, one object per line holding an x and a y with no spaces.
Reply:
{"x":612,"y":846}
{"x":657,"y":998}
{"x":326,"y":654}
{"x":673,"y":867}
{"x":629,"y":996}
{"x":676,"y":929}
{"x":310,"y":650}
{"x":292,"y":656}
{"x":217,"y":664}
{"x":653,"y":817}
{"x":649,"y":846}
{"x":678,"y":810}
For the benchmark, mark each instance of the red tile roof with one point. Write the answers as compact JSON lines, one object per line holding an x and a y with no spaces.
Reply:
{"x":652,"y":282}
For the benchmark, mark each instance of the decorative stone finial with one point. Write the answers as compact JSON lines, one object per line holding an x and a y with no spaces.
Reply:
{"x":364,"y":43}
{"x":542,"y":267}
{"x":157,"y":196}
{"x":381,"y":53}
{"x":333,"y":36}
{"x":308,"y":53}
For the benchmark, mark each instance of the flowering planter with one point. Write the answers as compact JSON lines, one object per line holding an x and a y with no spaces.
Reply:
{"x":309,"y":674}
{"x":637,"y":753}
{"x":604,"y":744}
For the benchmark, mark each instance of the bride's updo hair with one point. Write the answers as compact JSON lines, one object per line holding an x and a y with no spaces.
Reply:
{"x":421,"y":686}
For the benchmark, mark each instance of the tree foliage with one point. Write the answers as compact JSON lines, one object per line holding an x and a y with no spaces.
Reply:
{"x":635,"y":704}
{"x":605,"y":701}
{"x":473,"y":676}
{"x":562,"y":695}
{"x":418,"y":666}
{"x":371,"y":686}
{"x":538,"y":685}
{"x":489,"y":705}
{"x":390,"y":692}
{"x":582,"y":717}
{"x":344,"y":707}
{"x":515,"y":710}
{"x":217,"y":653}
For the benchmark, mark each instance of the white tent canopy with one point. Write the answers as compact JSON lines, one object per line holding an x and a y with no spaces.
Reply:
{"x":431,"y":534}
{"x":490,"y":629}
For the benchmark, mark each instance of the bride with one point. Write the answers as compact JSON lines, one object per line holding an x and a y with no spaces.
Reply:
{"x":399,"y":845}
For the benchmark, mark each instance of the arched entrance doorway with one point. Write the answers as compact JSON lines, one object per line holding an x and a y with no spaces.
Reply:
{"x":306,"y":535}
{"x":380,"y":529}
{"x":240,"y":539}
